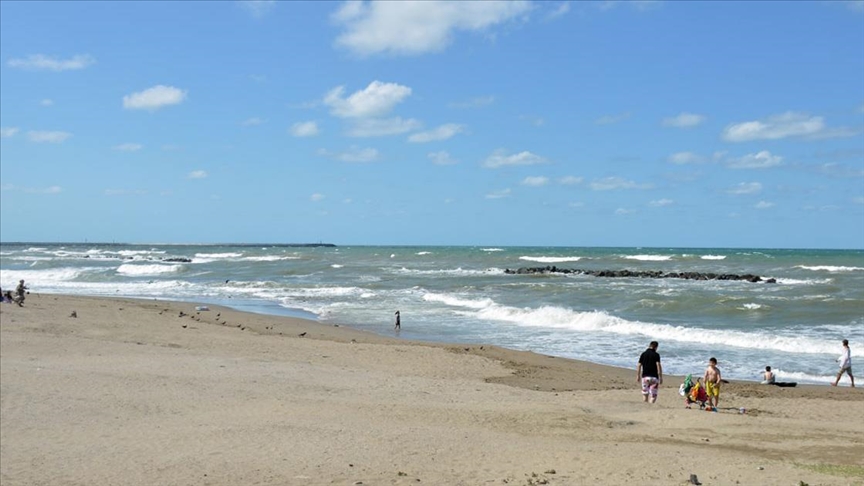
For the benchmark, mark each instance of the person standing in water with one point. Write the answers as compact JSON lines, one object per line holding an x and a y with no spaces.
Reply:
{"x":398,"y":322}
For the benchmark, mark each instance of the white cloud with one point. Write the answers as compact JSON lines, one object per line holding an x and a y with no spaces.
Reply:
{"x":41,"y":62}
{"x":441,"y":133}
{"x":858,"y":200}
{"x":684,"y":120}
{"x":258,"y":8}
{"x":562,"y":9}
{"x":659,"y":203}
{"x":498,"y":194}
{"x":253,"y":122}
{"x":534,"y":120}
{"x":46,"y":102}
{"x":352,"y":155}
{"x":535,"y":181}
{"x":610,"y":119}
{"x":316,"y":197}
{"x":500,"y":158}
{"x":197,"y":174}
{"x":32,"y":190}
{"x":624,"y":211}
{"x":412,"y":28}
{"x":746,"y":188}
{"x":855,"y":5}
{"x":304,"y":129}
{"x":683,"y":158}
{"x":442,"y":158}
{"x":375,"y":100}
{"x":7,"y":132}
{"x":381,"y":127}
{"x":128,"y":147}
{"x":761,"y":160}
{"x":789,"y":124}
{"x":48,"y":137}
{"x":477,"y":102}
{"x":154,"y":98}
{"x":764,"y":205}
{"x":614,"y":183}
{"x":571,"y":180}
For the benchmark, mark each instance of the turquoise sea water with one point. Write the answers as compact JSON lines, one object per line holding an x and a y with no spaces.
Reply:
{"x":462,"y":294}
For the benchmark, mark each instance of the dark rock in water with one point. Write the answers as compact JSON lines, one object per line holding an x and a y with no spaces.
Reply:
{"x":637,"y":274}
{"x":177,"y":260}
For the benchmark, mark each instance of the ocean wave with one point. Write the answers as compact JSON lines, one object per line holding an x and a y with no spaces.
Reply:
{"x":829,"y":268}
{"x":458,"y":301}
{"x":268,"y":258}
{"x":455,"y":272}
{"x":134,"y":270}
{"x":713,"y":257}
{"x":751,"y":306}
{"x":336,"y":265}
{"x":491,"y":249}
{"x":781,"y":375}
{"x":545,"y":259}
{"x":218,"y":255}
{"x":798,"y":281}
{"x":10,"y":278}
{"x":423,"y":253}
{"x":648,"y":258}
{"x":599,"y":321}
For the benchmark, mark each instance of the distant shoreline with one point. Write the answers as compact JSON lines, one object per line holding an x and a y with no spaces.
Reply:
{"x":240,"y":245}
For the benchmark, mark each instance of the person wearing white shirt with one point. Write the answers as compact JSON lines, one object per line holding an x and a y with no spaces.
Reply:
{"x":845,"y":360}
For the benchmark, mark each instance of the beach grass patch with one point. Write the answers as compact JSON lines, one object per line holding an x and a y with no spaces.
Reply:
{"x":835,"y":469}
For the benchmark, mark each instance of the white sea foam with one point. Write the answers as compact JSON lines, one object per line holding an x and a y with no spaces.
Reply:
{"x":598,"y":321}
{"x":829,"y":268}
{"x":454,"y":272}
{"x":269,"y":258}
{"x":781,"y":375}
{"x":713,"y":257}
{"x":492,"y":249}
{"x":423,"y":253}
{"x":336,"y":265}
{"x":458,"y":301}
{"x":649,"y":258}
{"x":549,"y":259}
{"x":218,"y":255}
{"x":134,"y":270}
{"x":752,"y":306}
{"x":34,"y":248}
{"x":797,"y":281}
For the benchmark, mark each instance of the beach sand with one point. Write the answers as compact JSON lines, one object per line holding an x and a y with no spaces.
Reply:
{"x":130,"y":393}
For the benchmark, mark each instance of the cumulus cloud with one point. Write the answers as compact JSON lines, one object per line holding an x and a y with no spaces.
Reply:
{"x":375,"y":100}
{"x":252,"y":122}
{"x":570,"y":180}
{"x":128,"y":147}
{"x":7,"y":132}
{"x":745,"y":188}
{"x":684,"y":120}
{"x":381,"y":127}
{"x":761,"y":160}
{"x":476,"y":102}
{"x":197,"y":174}
{"x":500,"y":158}
{"x":41,"y":62}
{"x":316,"y":197}
{"x":154,"y":98}
{"x":498,"y":194}
{"x":615,"y":183}
{"x":48,"y":137}
{"x":659,"y":203}
{"x":683,"y":158}
{"x":610,"y":119}
{"x":441,"y":133}
{"x":352,"y":155}
{"x":535,"y":181}
{"x":413,"y":28}
{"x":442,"y":158}
{"x":785,"y":125}
{"x":559,"y":11}
{"x":304,"y":129}
{"x":764,"y":205}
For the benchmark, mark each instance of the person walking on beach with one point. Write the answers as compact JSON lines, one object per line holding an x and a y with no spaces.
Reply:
{"x":649,"y":372}
{"x":712,"y":383}
{"x":398,"y":322}
{"x":19,"y":293}
{"x":845,"y":360}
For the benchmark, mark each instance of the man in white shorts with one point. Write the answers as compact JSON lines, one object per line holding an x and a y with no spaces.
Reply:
{"x":649,"y":372}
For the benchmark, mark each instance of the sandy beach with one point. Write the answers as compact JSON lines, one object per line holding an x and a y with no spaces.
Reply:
{"x":144,"y":392}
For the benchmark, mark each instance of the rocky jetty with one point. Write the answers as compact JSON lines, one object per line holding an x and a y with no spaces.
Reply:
{"x":639,"y":274}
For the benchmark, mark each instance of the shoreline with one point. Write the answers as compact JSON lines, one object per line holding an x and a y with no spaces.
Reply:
{"x":130,"y":392}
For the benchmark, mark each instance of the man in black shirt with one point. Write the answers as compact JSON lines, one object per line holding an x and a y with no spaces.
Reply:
{"x":649,"y":372}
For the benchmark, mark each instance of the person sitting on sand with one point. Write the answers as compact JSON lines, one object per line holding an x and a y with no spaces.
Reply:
{"x":712,"y":383}
{"x":768,"y":376}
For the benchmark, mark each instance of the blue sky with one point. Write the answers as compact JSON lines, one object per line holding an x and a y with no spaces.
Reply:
{"x":671,"y":124}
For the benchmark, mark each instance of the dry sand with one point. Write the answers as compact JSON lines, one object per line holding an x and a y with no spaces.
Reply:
{"x":129,"y":393}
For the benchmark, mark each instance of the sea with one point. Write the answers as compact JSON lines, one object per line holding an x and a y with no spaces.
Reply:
{"x":463,"y":294}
